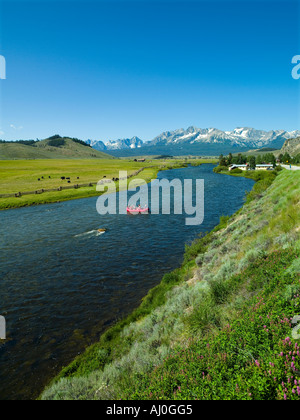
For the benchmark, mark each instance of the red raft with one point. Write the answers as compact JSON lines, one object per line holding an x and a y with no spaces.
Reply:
{"x":138,"y":210}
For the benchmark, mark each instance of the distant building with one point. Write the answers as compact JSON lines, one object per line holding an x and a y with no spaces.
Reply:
{"x":243,"y":167}
{"x":264,"y":167}
{"x":246,"y":167}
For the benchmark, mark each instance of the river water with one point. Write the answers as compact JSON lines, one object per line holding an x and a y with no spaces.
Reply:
{"x":62,"y":284}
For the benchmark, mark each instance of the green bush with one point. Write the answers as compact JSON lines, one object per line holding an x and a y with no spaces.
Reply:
{"x":198,"y":246}
{"x":204,"y":317}
{"x":236,"y":171}
{"x":220,"y":291}
{"x":56,"y":142}
{"x":199,"y":260}
{"x":219,"y":169}
{"x":224,"y":221}
{"x":263,"y":180}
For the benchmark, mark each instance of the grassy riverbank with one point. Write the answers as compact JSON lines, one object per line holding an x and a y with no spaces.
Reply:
{"x":218,"y":327}
{"x":34,"y":175}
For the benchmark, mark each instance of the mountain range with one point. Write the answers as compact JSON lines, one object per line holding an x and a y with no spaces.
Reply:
{"x":133,"y":143}
{"x":197,"y":141}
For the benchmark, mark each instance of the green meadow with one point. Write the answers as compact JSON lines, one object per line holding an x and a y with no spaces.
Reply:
{"x":32,"y":175}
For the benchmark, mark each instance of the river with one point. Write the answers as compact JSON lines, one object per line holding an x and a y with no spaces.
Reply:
{"x":62,"y":284}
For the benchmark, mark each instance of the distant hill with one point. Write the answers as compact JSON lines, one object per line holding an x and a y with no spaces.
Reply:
{"x":291,"y":146}
{"x":55,"y":147}
{"x":262,"y":151}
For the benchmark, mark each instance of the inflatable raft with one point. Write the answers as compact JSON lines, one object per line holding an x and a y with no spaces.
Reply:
{"x":138,"y":210}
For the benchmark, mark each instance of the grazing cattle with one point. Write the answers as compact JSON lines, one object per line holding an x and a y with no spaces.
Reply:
{"x":62,"y":178}
{"x":38,"y":179}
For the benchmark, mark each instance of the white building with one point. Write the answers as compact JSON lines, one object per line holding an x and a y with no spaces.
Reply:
{"x":246,"y":167}
{"x":243,"y":167}
{"x":264,"y":167}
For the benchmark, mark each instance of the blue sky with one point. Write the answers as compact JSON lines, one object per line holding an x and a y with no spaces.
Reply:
{"x":115,"y":69}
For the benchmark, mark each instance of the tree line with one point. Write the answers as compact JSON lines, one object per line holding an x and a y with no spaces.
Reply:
{"x":26,"y":142}
{"x":267,"y":158}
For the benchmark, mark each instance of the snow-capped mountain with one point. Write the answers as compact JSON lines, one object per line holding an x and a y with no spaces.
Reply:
{"x":198,"y":141}
{"x":96,"y":144}
{"x":133,"y":143}
{"x":243,"y":137}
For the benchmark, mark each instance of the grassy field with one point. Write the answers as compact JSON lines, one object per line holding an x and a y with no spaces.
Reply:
{"x":218,"y":327}
{"x":22,"y":176}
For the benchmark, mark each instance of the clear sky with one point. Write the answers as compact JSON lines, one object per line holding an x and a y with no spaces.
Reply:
{"x":115,"y":69}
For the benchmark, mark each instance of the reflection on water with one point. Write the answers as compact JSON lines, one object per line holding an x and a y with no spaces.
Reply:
{"x":63,"y":282}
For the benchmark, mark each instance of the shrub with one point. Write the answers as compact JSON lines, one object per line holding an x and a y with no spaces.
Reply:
{"x":56,"y":142}
{"x":236,"y":171}
{"x":199,"y":260}
{"x":219,"y":169}
{"x":171,"y":278}
{"x":204,"y":316}
{"x":224,"y":221}
{"x":260,"y":187}
{"x":55,"y":137}
{"x":220,"y":291}
{"x":197,"y":247}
